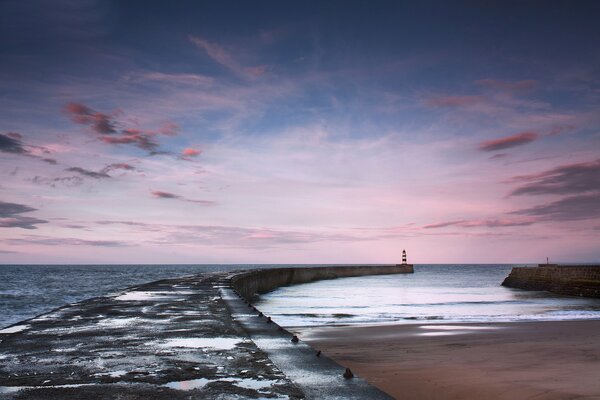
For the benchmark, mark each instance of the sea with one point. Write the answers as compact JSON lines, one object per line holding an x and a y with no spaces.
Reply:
{"x":434,"y":293}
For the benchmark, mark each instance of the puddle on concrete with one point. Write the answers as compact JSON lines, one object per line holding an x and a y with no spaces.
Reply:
{"x":188,"y":385}
{"x":197,"y":343}
{"x":15,"y":329}
{"x":255,"y":384}
{"x":246,"y":383}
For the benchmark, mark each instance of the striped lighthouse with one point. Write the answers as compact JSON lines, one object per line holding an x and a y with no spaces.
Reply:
{"x":403,"y":257}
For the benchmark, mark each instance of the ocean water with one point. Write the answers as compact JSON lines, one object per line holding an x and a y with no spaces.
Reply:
{"x":434,"y":293}
{"x":444,"y":293}
{"x":30,"y":290}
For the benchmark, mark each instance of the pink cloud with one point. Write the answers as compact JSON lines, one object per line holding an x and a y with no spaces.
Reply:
{"x":142,"y":141}
{"x":190,"y":152}
{"x":99,"y":122}
{"x":509,"y":141}
{"x":105,"y":128}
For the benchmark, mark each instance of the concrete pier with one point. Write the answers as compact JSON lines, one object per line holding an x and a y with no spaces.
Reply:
{"x":190,"y":337}
{"x":571,"y":280}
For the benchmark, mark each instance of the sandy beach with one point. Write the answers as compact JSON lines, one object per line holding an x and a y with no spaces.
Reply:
{"x":524,"y":360}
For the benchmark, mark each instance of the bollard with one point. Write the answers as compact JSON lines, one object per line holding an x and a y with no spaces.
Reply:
{"x":269,"y":320}
{"x":318,"y":353}
{"x":295,"y":339}
{"x":348,"y":374}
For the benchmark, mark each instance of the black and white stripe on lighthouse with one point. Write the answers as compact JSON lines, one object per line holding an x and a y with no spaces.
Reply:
{"x":403,"y":257}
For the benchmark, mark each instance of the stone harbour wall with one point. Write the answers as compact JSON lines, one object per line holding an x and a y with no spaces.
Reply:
{"x":251,"y":283}
{"x":572,"y":280}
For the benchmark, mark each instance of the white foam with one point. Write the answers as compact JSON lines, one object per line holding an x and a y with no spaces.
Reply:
{"x":15,"y":329}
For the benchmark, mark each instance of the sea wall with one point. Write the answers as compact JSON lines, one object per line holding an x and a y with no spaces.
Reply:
{"x":250,"y":283}
{"x":572,"y":280}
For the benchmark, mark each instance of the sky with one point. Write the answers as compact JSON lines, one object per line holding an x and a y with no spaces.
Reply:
{"x":299,"y":132}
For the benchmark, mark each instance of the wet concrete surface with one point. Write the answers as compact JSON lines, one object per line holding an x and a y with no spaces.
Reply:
{"x":183,"y":338}
{"x":319,"y":377}
{"x":172,"y":339}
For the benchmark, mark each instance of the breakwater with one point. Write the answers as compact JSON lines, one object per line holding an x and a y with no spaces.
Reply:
{"x":250,"y":283}
{"x":572,"y":280}
{"x":175,"y":339}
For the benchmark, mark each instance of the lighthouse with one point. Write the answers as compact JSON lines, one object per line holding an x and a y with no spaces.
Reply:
{"x":403,"y":257}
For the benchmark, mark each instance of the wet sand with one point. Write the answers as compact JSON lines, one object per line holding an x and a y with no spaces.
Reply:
{"x":524,"y":360}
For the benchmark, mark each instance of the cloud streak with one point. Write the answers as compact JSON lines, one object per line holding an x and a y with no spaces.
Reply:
{"x":159,"y":194}
{"x":564,"y":179}
{"x":10,"y":216}
{"x":223,"y":57}
{"x":572,"y":208}
{"x":508,"y":142}
{"x":88,"y":173}
{"x":58,"y":241}
{"x":487,"y":223}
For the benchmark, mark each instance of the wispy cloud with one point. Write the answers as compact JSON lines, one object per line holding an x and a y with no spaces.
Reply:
{"x":10,"y":216}
{"x":103,"y":173}
{"x":564,"y":179}
{"x":236,"y":236}
{"x":59,"y":241}
{"x":487,"y":223}
{"x":159,"y":194}
{"x":71,"y":181}
{"x":519,"y":139}
{"x":88,"y":173}
{"x":220,"y":55}
{"x":572,"y":208}
{"x":174,"y":78}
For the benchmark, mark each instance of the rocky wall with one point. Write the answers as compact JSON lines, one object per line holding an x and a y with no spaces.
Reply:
{"x":572,"y":280}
